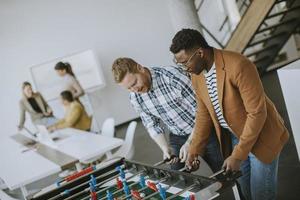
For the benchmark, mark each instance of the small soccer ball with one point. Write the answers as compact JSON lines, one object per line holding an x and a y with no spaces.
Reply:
{"x":142,"y":194}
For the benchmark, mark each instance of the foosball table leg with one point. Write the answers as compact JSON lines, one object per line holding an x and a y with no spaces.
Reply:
{"x":236,"y":192}
{"x":78,"y":166}
{"x":24,"y":192}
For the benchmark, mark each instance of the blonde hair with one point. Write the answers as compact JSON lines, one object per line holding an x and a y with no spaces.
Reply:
{"x":122,"y":66}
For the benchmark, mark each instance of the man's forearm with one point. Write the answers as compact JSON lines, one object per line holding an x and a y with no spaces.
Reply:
{"x":161,"y":141}
{"x":189,"y":140}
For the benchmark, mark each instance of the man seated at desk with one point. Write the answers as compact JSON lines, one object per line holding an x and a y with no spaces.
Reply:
{"x":75,"y":115}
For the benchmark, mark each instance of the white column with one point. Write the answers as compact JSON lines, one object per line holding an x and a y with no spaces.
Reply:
{"x":24,"y":192}
{"x":184,"y":14}
{"x":232,"y":12}
{"x":289,"y":82}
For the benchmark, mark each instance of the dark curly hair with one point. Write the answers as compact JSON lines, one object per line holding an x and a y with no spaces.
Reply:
{"x":187,"y":39}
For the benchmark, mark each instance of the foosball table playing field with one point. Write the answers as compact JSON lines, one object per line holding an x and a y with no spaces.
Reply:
{"x":130,"y":180}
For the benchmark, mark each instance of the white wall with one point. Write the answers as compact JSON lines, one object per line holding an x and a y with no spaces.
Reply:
{"x":289,"y":77}
{"x":34,"y":31}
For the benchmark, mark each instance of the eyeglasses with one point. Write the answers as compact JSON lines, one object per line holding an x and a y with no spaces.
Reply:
{"x":184,"y":64}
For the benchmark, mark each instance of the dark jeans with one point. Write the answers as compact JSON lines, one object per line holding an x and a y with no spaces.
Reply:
{"x":212,"y":155}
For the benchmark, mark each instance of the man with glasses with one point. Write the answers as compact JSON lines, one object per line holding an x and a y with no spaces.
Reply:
{"x":230,"y":97}
{"x":165,"y":94}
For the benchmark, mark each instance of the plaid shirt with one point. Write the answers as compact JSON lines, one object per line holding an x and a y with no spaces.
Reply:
{"x":170,"y":99}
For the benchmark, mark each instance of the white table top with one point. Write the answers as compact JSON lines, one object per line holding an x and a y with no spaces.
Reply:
{"x":84,"y":145}
{"x":18,"y":169}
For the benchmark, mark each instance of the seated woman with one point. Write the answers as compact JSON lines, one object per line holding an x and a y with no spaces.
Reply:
{"x":36,"y":106}
{"x":75,"y":115}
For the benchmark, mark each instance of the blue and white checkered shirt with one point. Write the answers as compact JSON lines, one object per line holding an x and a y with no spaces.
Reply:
{"x":170,"y":99}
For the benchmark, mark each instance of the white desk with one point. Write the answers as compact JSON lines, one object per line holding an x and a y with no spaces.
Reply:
{"x":18,"y":169}
{"x":85,"y":146}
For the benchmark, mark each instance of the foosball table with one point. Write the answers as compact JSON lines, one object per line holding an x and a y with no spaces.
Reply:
{"x":129,"y":180}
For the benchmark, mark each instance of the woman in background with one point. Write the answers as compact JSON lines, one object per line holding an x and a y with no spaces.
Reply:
{"x":36,"y":106}
{"x":64,"y":70}
{"x":75,"y":115}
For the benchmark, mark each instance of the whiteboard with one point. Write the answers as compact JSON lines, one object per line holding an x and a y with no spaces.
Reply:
{"x":85,"y":67}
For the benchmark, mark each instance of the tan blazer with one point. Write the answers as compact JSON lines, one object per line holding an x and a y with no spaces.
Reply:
{"x":250,"y":114}
{"x":75,"y":117}
{"x":26,"y":107}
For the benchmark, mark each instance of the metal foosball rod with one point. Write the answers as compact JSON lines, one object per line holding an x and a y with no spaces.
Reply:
{"x":66,"y":192}
{"x":121,"y":174}
{"x":115,"y":192}
{"x":146,"y":187}
{"x":142,"y":171}
{"x":182,"y":191}
{"x":188,"y":186}
{"x":184,"y":169}
{"x":165,"y":160}
{"x":124,"y":179}
{"x":143,"y":188}
{"x":166,"y":188}
{"x":217,"y":173}
{"x":194,"y":185}
{"x":157,"y":191}
{"x":133,"y":184}
{"x":76,"y":175}
{"x":97,"y":185}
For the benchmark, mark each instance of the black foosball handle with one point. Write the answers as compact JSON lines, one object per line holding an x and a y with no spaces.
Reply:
{"x":166,"y":160}
{"x":185,"y":169}
{"x":193,"y":168}
{"x":169,"y":159}
{"x":226,"y":175}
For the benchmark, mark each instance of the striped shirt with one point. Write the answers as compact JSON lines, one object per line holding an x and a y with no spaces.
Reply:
{"x":211,"y":83}
{"x":171,"y":100}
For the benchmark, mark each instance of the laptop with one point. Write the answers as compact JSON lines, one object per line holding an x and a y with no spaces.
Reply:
{"x":44,"y":136}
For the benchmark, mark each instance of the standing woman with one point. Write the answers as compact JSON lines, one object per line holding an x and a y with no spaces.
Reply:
{"x":36,"y":106}
{"x":64,"y":70}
